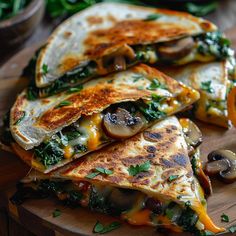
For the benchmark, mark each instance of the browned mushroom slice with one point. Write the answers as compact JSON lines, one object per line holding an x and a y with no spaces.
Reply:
{"x":201,"y":176}
{"x":192,"y":133}
{"x":222,"y":163}
{"x":175,"y":49}
{"x":121,"y":124}
{"x":118,"y":60}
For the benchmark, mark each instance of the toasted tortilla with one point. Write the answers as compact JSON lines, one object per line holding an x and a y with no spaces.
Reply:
{"x":106,"y":28}
{"x":164,"y":147}
{"x":212,"y":105}
{"x":31,"y":122}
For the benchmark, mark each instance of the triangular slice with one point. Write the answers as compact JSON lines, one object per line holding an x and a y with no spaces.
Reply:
{"x":61,"y":128}
{"x":213,"y":80}
{"x":111,"y":37}
{"x":146,"y":180}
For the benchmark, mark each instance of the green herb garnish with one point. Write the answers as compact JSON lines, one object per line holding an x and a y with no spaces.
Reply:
{"x":21,"y":118}
{"x":206,"y":86}
{"x":224,"y":218}
{"x":102,"y":229}
{"x":200,"y":9}
{"x":232,"y":229}
{"x":45,"y":69}
{"x":75,"y":89}
{"x":134,"y":170}
{"x":63,"y":103}
{"x":99,"y":170}
{"x":173,"y":177}
{"x":56,"y":213}
{"x":152,"y":17}
{"x":156,"y":84}
{"x":187,"y":204}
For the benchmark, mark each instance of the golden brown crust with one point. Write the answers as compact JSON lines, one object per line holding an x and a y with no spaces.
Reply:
{"x":169,"y":157}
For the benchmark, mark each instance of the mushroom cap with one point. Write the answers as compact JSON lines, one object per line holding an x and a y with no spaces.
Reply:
{"x":222,"y":163}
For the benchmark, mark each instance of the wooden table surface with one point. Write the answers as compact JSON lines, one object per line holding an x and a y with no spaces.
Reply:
{"x":224,"y":17}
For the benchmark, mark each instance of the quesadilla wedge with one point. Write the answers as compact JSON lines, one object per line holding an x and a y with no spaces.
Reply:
{"x":111,"y":37}
{"x":146,"y":180}
{"x":213,"y":80}
{"x":51,"y":132}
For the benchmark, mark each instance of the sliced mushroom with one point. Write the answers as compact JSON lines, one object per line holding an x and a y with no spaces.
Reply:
{"x":192,"y":133}
{"x":119,"y":59}
{"x":175,"y":49}
{"x":222,"y":163}
{"x":121,"y":124}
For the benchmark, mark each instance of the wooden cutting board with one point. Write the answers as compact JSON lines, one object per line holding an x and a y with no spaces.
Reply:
{"x":36,"y":215}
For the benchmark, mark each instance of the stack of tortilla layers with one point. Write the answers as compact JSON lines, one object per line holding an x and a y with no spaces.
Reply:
{"x":97,"y":123}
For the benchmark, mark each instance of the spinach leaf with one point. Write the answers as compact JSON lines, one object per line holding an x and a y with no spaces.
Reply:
{"x":173,"y":177}
{"x":49,"y":153}
{"x":200,"y":9}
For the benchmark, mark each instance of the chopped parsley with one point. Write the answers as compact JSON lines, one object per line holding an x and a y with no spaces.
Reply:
{"x":232,"y":229}
{"x":137,"y":78}
{"x":224,"y":218}
{"x":21,"y":118}
{"x":155,"y":85}
{"x":187,"y":204}
{"x":206,"y":86}
{"x":45,"y":69}
{"x":102,"y":229}
{"x":140,"y":88}
{"x":151,"y":110}
{"x":75,"y":89}
{"x":56,"y":213}
{"x":99,"y":170}
{"x":63,"y":103}
{"x":173,"y":177}
{"x":134,"y":170}
{"x":152,"y":17}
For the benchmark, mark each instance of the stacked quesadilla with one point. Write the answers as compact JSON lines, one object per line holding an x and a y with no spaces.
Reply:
{"x":92,"y":97}
{"x":146,"y":180}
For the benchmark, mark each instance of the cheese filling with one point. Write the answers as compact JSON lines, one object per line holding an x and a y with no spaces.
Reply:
{"x":131,"y":205}
{"x":88,"y":133}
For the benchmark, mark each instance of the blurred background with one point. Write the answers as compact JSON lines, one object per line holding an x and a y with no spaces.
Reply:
{"x":24,"y":23}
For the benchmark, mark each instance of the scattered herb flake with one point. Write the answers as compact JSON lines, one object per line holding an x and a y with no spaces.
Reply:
{"x":134,"y":170}
{"x":156,"y":84}
{"x":206,"y":86}
{"x":63,"y":103}
{"x":56,"y":213}
{"x":173,"y":177}
{"x":137,"y":78}
{"x":104,"y":171}
{"x":102,"y":229}
{"x":152,"y":17}
{"x":169,"y":213}
{"x":92,"y":175}
{"x":21,"y":118}
{"x":45,"y":69}
{"x":75,"y":89}
{"x":224,"y":218}
{"x":188,"y":204}
{"x":232,"y":229}
{"x":140,"y":88}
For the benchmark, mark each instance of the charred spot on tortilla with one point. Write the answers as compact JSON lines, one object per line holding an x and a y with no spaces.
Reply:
{"x":151,"y":149}
{"x":153,"y":137}
{"x":180,"y":159}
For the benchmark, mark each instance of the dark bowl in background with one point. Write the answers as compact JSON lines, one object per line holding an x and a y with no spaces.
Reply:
{"x":17,"y":29}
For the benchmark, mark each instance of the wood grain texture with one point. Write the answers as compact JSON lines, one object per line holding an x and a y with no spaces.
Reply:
{"x":36,"y":215}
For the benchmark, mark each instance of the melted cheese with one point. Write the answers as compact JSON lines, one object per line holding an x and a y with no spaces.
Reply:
{"x":68,"y":152}
{"x":92,"y":126}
